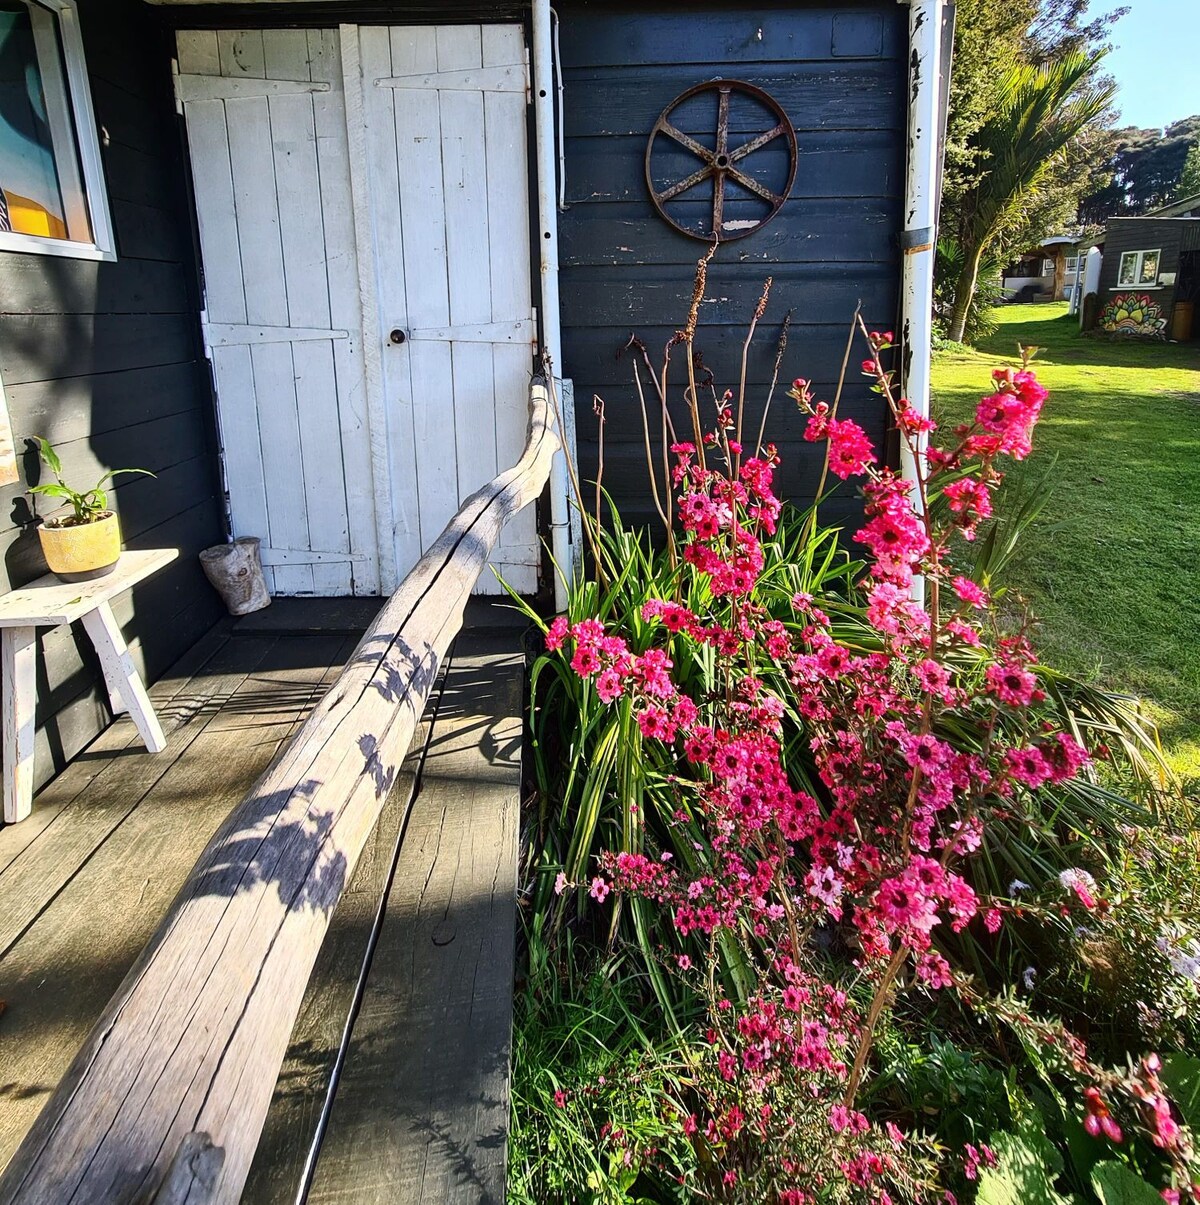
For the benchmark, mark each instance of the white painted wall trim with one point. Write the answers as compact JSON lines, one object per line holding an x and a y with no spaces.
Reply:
{"x":545,"y":152}
{"x":86,"y":140}
{"x":919,"y":236}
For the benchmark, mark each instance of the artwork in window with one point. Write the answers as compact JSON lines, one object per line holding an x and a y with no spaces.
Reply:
{"x":1128,"y":272}
{"x":51,"y":183}
{"x":1148,"y":270}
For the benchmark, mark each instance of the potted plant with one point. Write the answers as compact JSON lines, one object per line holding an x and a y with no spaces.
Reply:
{"x":84,"y":542}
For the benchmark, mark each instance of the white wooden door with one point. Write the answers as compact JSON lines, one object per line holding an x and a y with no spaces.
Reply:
{"x":445,"y":120}
{"x":267,"y":131}
{"x":353,"y":183}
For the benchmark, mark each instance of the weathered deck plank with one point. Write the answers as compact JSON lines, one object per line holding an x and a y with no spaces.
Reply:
{"x":62,"y":970}
{"x":421,"y":1112}
{"x":114,"y":777}
{"x":119,"y":735}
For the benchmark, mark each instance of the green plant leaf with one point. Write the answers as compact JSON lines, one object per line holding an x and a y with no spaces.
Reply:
{"x":1115,"y":1184}
{"x":49,"y":455}
{"x":52,"y":491}
{"x":1181,"y":1073}
{"x":1026,"y":1164}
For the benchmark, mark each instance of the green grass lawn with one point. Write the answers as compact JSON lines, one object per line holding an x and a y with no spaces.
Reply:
{"x":1116,"y":584}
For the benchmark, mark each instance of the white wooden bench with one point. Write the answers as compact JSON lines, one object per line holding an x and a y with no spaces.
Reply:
{"x":48,"y":602}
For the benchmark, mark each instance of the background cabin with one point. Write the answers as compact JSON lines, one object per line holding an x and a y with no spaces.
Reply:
{"x":1043,"y":273}
{"x":1150,"y":277}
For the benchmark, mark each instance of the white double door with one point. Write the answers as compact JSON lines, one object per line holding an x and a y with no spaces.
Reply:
{"x":363,"y":205}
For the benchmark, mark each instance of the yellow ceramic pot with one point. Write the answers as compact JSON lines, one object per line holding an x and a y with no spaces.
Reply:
{"x":79,"y":552}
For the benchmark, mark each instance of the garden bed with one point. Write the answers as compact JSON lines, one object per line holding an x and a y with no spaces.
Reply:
{"x":832,"y":894}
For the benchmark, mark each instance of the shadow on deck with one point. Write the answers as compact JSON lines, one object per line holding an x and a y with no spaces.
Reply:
{"x":421,"y":1108}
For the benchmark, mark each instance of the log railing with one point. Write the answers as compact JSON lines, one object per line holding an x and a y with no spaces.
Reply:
{"x":167,"y":1098}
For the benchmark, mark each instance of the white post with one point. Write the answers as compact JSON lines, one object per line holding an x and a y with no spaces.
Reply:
{"x":543,"y":101}
{"x":919,"y":237}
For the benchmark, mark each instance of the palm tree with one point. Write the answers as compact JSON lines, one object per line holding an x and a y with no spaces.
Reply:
{"x":1041,"y":110}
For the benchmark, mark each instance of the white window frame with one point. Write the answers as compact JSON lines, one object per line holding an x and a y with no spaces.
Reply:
{"x":92,"y":195}
{"x":1071,"y":265}
{"x":1047,"y":267}
{"x":1139,"y":258}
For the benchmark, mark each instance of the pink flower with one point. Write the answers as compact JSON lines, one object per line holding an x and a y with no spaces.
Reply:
{"x":970,"y":592}
{"x":560,"y":883}
{"x":586,"y":661}
{"x":1027,"y":766}
{"x":556,"y":633}
{"x":1011,"y":684}
{"x":1081,"y":883}
{"x":850,"y":451}
{"x":598,"y":890}
{"x":609,"y":685}
{"x":560,"y":1099}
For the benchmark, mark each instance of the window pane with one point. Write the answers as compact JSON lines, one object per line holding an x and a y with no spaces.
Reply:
{"x":1149,"y":273}
{"x":1128,"y":273}
{"x":31,"y":195}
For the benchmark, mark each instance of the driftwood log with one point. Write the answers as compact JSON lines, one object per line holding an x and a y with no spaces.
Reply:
{"x":192,"y":1042}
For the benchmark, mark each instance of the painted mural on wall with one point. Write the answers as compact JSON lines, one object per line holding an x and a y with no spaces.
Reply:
{"x":1133,"y":314}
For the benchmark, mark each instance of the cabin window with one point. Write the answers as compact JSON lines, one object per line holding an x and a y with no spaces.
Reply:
{"x":1072,"y":265}
{"x":52,"y":197}
{"x":1047,"y":267}
{"x":1138,"y":268}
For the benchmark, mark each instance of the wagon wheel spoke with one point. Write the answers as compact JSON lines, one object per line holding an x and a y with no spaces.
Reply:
{"x":723,"y":121}
{"x":698,"y":149}
{"x":748,"y":148}
{"x":683,"y":185}
{"x":718,"y":204}
{"x":754,"y":186}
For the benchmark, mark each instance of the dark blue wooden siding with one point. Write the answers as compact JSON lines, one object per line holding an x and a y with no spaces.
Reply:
{"x":105,"y":361}
{"x":839,"y":73}
{"x":1142,"y":234}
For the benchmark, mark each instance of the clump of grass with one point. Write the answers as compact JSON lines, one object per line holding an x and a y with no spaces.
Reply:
{"x":1113,"y":579}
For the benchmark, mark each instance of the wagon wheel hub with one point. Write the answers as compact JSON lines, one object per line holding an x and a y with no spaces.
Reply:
{"x":722,"y":163}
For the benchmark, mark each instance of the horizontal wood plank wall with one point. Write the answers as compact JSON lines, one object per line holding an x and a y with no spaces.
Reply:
{"x":1142,"y":234}
{"x":104,"y":360}
{"x":839,"y":73}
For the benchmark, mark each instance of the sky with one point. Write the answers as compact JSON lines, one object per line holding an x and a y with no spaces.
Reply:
{"x":1155,"y":59}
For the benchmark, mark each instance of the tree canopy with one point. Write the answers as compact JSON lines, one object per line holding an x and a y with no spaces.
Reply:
{"x":1146,"y":170}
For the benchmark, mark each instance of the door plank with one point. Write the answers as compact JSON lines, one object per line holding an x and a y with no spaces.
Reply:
{"x":251,"y":152}
{"x":233,"y":376}
{"x":360,"y":141}
{"x":220,"y":240}
{"x":464,"y":180}
{"x":427,"y":298}
{"x":241,"y":52}
{"x":329,"y":118}
{"x":389,"y":267}
{"x":508,"y":193}
{"x":302,"y":234}
{"x":197,"y":52}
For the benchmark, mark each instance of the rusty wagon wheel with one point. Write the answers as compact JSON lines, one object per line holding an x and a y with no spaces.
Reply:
{"x":721,"y":163}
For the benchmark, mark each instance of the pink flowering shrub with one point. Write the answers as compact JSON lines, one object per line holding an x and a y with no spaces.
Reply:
{"x":824,"y":767}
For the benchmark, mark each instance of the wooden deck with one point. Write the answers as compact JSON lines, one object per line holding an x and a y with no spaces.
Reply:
{"x":421,"y":1105}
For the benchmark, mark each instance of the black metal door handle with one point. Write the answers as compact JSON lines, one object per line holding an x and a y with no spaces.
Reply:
{"x":397,"y":336}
